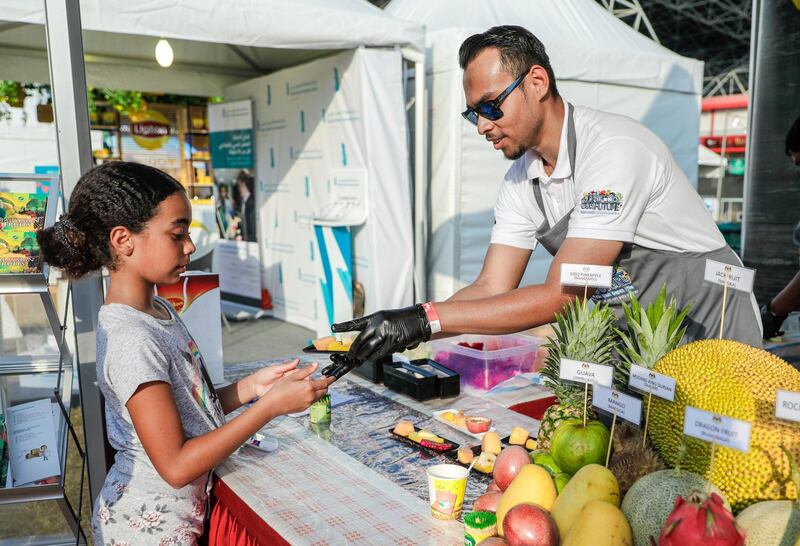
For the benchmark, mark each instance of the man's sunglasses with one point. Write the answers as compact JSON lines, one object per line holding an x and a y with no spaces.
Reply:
{"x":490,"y":109}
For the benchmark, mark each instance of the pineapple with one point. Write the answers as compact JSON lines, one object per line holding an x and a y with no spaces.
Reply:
{"x":581,"y":334}
{"x":652,"y":333}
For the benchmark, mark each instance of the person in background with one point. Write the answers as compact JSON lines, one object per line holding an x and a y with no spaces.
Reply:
{"x":775,"y":311}
{"x":225,"y":211}
{"x":247,"y":207}
{"x":163,"y":415}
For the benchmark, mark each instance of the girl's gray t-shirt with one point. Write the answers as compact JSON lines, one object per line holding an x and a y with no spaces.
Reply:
{"x":134,"y":348}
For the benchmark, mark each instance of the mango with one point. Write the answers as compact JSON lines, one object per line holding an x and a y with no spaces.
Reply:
{"x":532,"y":484}
{"x":599,"y":524}
{"x":592,"y":482}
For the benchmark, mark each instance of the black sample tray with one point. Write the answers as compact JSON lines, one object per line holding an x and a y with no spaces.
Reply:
{"x":430,"y":449}
{"x":399,"y":377}
{"x":448,"y":382}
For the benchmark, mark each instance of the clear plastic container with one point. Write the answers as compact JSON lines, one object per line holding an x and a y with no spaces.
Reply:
{"x":490,"y":360}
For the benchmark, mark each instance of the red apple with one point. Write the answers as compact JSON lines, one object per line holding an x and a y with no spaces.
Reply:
{"x":478,"y":425}
{"x":492,"y":486}
{"x":494,"y":541}
{"x":508,"y":464}
{"x":529,"y":524}
{"x":487,"y":501}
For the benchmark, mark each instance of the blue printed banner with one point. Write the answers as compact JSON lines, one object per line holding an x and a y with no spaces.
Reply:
{"x":231,"y":138}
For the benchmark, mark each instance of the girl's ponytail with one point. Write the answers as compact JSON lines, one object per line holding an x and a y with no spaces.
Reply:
{"x":65,"y":246}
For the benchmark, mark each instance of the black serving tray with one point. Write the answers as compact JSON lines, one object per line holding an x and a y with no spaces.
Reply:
{"x":476,"y":451}
{"x":430,"y":449}
{"x":418,"y":388}
{"x":448,"y":382}
{"x":313,"y":350}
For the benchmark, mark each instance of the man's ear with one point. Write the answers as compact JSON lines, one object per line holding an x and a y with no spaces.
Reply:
{"x":539,"y":81}
{"x":121,"y":241}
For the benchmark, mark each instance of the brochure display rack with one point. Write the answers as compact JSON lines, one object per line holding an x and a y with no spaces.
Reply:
{"x":36,"y":382}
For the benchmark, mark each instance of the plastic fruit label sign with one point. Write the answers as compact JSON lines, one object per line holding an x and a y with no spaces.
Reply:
{"x":719,"y":429}
{"x":738,"y":278}
{"x":598,"y":276}
{"x":787,"y":405}
{"x":623,"y":406}
{"x":586,"y":372}
{"x":650,"y":382}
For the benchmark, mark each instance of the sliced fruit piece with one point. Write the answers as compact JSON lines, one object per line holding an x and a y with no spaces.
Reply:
{"x":465,"y":455}
{"x":403,"y":428}
{"x":518,"y":436}
{"x":478,"y":425}
{"x":485,"y":462}
{"x":322,"y":343}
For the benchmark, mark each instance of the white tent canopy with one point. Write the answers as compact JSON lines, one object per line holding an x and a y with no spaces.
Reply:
{"x":216,"y":43}
{"x":598,"y":61}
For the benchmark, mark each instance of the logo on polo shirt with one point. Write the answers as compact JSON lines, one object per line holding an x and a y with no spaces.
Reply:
{"x":601,"y":201}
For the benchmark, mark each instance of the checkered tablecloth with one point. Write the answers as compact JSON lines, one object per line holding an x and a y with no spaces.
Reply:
{"x":313,"y":493}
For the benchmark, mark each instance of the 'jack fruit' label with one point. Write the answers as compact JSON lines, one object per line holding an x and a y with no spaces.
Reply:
{"x":718,"y":429}
{"x":787,"y":405}
{"x":738,"y":278}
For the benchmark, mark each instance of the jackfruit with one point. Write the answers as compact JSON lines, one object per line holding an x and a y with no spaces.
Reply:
{"x":739,"y":381}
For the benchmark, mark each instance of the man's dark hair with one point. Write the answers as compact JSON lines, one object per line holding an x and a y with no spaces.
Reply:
{"x":793,"y":138}
{"x":247,"y":179}
{"x":519,"y":51}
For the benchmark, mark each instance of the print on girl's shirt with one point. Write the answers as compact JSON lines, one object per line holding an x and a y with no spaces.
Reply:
{"x":199,"y":388}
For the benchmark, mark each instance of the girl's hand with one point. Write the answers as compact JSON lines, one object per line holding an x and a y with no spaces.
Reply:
{"x":295,"y":391}
{"x":263,"y":380}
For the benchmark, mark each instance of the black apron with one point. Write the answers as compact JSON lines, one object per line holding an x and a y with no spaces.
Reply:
{"x":642,"y":271}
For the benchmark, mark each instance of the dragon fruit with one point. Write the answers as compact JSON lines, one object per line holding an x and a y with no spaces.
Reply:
{"x":700,"y":520}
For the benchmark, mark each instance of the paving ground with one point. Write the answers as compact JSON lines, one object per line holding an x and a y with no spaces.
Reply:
{"x":262,"y":339}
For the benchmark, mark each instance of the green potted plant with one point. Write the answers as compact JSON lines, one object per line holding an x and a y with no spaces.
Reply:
{"x":12,"y":93}
{"x":125,"y":102}
{"x":44,"y":98}
{"x":91,"y":103}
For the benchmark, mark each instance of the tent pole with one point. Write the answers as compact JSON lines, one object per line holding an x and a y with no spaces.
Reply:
{"x":420,"y":173}
{"x":68,"y":78}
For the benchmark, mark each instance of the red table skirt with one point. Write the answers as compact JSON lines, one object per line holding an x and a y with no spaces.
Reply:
{"x":233,"y":523}
{"x":535,"y":408}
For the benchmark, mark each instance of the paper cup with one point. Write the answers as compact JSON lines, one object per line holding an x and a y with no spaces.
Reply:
{"x":446,"y":486}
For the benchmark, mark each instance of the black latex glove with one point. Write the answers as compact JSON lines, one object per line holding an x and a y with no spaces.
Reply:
{"x":386,"y":332}
{"x":771,"y":322}
{"x":341,"y":365}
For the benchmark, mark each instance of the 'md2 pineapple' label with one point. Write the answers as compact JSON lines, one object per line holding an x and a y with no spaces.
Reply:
{"x":738,"y":278}
{"x":598,"y":276}
{"x":651,"y":382}
{"x":622,"y":405}
{"x":586,"y":372}
{"x":712,"y":427}
{"x":787,"y":405}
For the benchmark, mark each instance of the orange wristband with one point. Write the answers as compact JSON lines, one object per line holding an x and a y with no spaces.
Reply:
{"x":433,"y":317}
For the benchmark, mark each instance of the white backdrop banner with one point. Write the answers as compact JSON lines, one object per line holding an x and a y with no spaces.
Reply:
{"x":331,"y":150}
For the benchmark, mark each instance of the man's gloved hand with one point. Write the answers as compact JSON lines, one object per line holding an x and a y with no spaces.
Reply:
{"x":341,"y":365}
{"x":771,"y":322}
{"x":386,"y":332}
